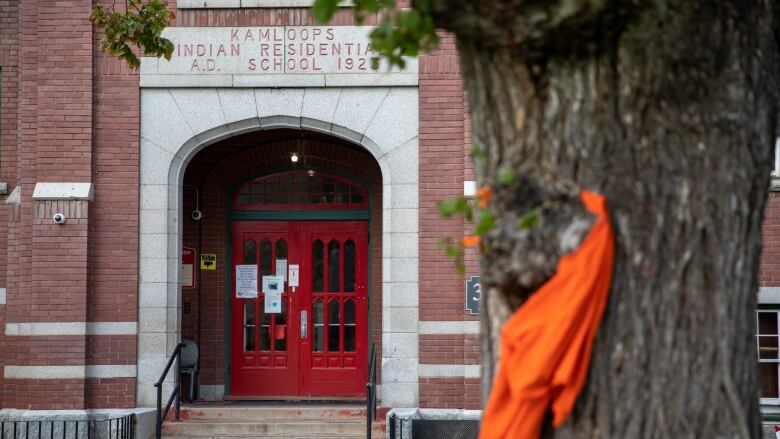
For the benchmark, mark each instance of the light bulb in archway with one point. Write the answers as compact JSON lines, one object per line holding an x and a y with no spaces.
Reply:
{"x":294,"y":157}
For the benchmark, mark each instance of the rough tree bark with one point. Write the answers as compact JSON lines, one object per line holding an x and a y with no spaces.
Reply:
{"x":669,"y":108}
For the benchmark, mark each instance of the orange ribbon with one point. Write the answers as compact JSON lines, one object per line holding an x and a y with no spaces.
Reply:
{"x":546,"y":344}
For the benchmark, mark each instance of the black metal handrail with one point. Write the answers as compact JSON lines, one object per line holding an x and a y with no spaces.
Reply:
{"x":371,"y":391}
{"x":175,"y":396}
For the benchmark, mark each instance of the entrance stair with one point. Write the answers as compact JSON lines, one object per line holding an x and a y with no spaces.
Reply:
{"x":282,"y":421}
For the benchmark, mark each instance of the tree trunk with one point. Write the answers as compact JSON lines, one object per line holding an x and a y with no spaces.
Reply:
{"x":669,"y":110}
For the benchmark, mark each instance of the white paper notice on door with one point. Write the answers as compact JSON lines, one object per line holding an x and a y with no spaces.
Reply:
{"x":246,"y":281}
{"x":281,"y":268}
{"x":273,"y":284}
{"x":273,"y":303}
{"x":292,"y":279}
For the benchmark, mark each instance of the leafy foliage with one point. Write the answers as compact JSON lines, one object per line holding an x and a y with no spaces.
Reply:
{"x":400,"y":32}
{"x":140,"y":25}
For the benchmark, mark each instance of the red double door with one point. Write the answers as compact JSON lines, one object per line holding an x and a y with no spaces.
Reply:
{"x":315,"y":343}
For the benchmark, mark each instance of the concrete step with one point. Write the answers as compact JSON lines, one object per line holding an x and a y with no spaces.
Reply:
{"x":272,"y":413}
{"x":335,"y":428}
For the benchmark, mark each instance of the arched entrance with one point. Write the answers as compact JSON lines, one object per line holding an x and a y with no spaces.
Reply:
{"x":299,"y":286}
{"x":263,"y":214}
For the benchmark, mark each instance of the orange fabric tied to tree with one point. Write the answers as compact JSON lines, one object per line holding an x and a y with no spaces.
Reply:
{"x":546,"y":345}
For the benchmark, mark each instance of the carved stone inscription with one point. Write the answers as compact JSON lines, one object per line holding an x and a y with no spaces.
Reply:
{"x":272,"y":50}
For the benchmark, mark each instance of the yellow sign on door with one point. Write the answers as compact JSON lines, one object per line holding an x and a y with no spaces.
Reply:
{"x":208,"y":261}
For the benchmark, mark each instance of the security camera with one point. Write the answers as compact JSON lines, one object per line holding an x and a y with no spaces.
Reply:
{"x":197,"y":215}
{"x":59,"y":218}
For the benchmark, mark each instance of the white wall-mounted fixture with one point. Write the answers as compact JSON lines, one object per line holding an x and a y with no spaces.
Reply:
{"x":59,"y":218}
{"x":469,"y":188}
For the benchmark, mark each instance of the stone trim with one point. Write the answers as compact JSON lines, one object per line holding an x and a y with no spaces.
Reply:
{"x":48,"y":372}
{"x":241,"y":69}
{"x":449,"y":370}
{"x":769,"y":295}
{"x":43,"y":372}
{"x":63,"y":191}
{"x":313,"y":80}
{"x":111,"y":371}
{"x":37,"y":329}
{"x":2,"y":296}
{"x":15,"y":197}
{"x":774,"y":183}
{"x":449,"y":327}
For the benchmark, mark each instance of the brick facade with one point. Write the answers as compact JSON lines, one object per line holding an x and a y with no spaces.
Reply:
{"x":69,"y":113}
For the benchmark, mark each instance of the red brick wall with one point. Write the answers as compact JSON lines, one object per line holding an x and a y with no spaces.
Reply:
{"x":445,"y":162}
{"x":86,"y":130}
{"x":44,"y":394}
{"x":9,"y":111}
{"x":769,"y":273}
{"x":110,"y":392}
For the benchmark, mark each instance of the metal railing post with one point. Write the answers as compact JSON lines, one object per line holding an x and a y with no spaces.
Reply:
{"x":177,"y":380}
{"x":159,"y":412}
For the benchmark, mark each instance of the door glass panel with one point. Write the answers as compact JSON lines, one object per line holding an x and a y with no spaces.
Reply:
{"x":767,"y":322}
{"x":334,"y":321}
{"x":333,"y":266}
{"x":281,"y":251}
{"x":349,"y":266}
{"x":265,"y":330}
{"x":767,"y":347}
{"x":249,"y":325}
{"x":319,"y":326}
{"x":265,"y":257}
{"x":317,"y":269}
{"x":280,"y":329}
{"x":250,"y":252}
{"x":329,"y":191}
{"x":768,"y":379}
{"x":349,"y":326}
{"x":342,"y":193}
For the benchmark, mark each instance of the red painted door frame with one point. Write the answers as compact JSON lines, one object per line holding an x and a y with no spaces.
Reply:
{"x":327,"y":357}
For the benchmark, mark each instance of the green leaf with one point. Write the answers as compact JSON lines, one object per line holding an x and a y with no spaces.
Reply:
{"x":529,"y":219}
{"x":468,"y":212}
{"x":506,"y":176}
{"x":324,"y":10}
{"x":140,"y":26}
{"x":485,"y":224}
{"x":448,"y":208}
{"x":477,"y":152}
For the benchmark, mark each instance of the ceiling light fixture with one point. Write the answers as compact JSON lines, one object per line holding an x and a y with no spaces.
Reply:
{"x":294,"y":157}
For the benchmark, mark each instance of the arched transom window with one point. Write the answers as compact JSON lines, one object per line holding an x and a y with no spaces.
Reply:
{"x":301,"y":190}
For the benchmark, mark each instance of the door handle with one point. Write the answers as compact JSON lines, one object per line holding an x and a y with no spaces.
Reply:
{"x":304,"y":324}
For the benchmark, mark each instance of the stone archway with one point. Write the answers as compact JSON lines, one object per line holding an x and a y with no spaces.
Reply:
{"x":177,"y":123}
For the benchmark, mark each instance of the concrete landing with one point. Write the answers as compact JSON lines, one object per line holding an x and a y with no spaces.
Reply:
{"x":268,"y":420}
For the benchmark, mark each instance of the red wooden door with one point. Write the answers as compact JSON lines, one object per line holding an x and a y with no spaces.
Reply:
{"x":264,"y":348}
{"x":333,"y":356}
{"x":317,"y":345}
